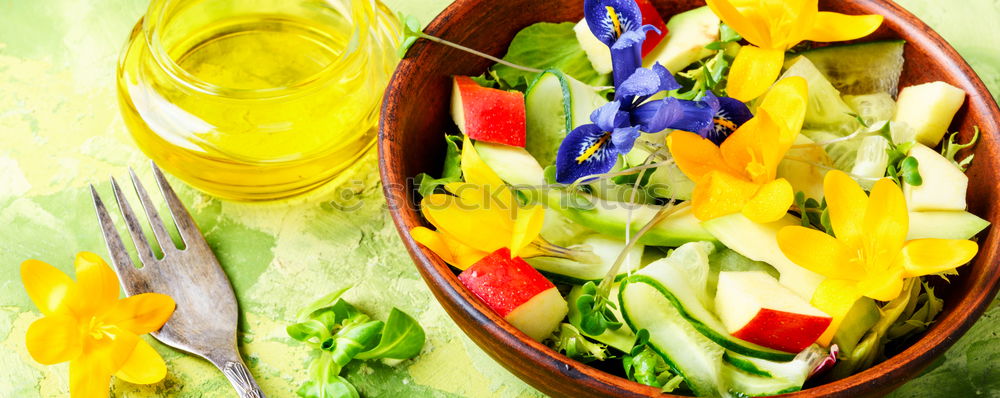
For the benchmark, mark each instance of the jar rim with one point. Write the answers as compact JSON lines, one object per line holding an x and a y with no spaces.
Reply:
{"x":156,"y":18}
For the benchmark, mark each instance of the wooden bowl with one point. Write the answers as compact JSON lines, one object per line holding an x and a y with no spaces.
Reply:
{"x":415,"y":115}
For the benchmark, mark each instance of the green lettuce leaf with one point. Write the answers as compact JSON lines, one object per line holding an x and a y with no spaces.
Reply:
{"x":548,"y":46}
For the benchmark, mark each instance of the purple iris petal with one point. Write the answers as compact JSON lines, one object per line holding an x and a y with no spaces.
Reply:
{"x":586,"y":151}
{"x":626,"y":54}
{"x":624,"y":138}
{"x":642,"y":83}
{"x":609,"y":116}
{"x":729,"y":115}
{"x":673,"y":114}
{"x":667,"y":80}
{"x":609,"y":19}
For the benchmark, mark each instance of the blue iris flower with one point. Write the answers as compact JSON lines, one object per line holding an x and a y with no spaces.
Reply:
{"x":594,"y":148}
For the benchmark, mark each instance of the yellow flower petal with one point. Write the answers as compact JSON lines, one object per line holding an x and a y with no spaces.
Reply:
{"x":98,"y":284}
{"x":140,"y":314}
{"x":886,"y":222}
{"x":719,"y":194}
{"x":729,"y":14}
{"x":47,"y":286}
{"x":771,"y":202}
{"x":482,"y":228}
{"x":474,"y":170}
{"x":526,"y":228}
{"x":753,"y":72}
{"x":695,"y":155}
{"x":831,"y":27}
{"x":846,"y":201}
{"x":754,"y":149}
{"x":786,"y":102}
{"x":434,"y":241}
{"x":450,"y":250}
{"x":54,"y":339}
{"x":930,"y":256}
{"x":818,"y":252}
{"x":144,"y":366}
{"x":84,"y":382}
{"x":882,"y":285}
{"x":107,"y":354}
{"x":835,"y":297}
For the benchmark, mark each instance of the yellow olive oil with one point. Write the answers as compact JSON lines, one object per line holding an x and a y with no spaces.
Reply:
{"x":256,"y":106}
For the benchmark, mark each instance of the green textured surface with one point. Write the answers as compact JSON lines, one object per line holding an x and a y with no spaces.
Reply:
{"x":60,"y":131}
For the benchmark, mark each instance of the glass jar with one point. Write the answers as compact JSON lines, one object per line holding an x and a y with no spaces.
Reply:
{"x":257,"y":99}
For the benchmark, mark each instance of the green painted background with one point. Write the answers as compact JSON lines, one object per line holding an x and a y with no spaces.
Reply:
{"x":60,"y":131}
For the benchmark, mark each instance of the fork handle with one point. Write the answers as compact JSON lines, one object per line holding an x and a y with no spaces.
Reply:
{"x":240,"y":377}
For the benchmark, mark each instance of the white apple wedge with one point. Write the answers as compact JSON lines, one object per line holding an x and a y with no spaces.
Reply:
{"x":755,"y":307}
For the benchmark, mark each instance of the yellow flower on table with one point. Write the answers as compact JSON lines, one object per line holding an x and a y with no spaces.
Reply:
{"x":86,"y":324}
{"x":740,"y":175}
{"x":870,"y":255}
{"x":775,"y":26}
{"x":479,"y":217}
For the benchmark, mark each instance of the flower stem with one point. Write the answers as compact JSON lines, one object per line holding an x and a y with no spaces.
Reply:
{"x":477,"y":53}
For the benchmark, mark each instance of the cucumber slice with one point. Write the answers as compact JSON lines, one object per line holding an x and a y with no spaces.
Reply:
{"x":696,"y":358}
{"x":622,"y":339}
{"x":727,"y":260}
{"x":611,"y":219}
{"x":555,"y":104}
{"x":872,"y":107}
{"x":666,"y":277}
{"x":859,"y":319}
{"x":740,"y":383}
{"x":862,"y":68}
{"x":512,"y":164}
{"x":825,"y":107}
{"x":759,"y":242}
{"x":959,"y":225}
{"x":841,"y":153}
{"x":572,"y":272}
{"x":872,"y":160}
{"x":562,"y":231}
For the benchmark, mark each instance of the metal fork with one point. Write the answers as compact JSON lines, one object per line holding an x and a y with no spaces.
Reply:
{"x":205,"y":320}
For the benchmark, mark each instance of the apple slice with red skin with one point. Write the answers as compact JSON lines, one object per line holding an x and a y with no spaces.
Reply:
{"x":651,"y":16}
{"x":517,"y":292}
{"x":487,"y":114}
{"x":755,"y":307}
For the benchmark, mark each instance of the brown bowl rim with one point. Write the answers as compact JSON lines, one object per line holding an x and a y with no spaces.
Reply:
{"x":881,"y":378}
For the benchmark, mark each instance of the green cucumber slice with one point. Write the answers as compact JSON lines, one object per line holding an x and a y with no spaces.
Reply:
{"x":740,"y":383}
{"x":611,"y":218}
{"x":622,"y":339}
{"x":696,"y":358}
{"x":825,"y":107}
{"x":666,"y":278}
{"x":555,"y":104}
{"x":863,"y":68}
{"x":872,"y":108}
{"x":748,"y":376}
{"x":572,"y":272}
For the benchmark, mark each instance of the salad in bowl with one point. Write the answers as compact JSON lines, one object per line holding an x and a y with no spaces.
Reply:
{"x":722,"y":202}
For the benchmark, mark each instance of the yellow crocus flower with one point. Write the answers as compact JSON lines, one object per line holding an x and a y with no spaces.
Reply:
{"x":775,"y":26}
{"x":870,"y":255}
{"x":740,"y":175}
{"x":478,"y":217}
{"x":86,"y":324}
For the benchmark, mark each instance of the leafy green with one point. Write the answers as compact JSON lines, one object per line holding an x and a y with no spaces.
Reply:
{"x":902,"y":167}
{"x":548,"y":46}
{"x":644,"y":365}
{"x":342,"y":334}
{"x":402,"y":338}
{"x":596,"y":311}
{"x":951,"y":148}
{"x":412,"y":31}
{"x":451,"y":172}
{"x":902,"y":318}
{"x":569,"y":341}
{"x":814,"y":213}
